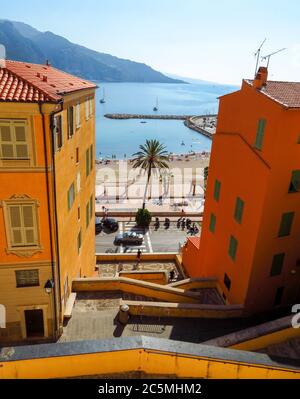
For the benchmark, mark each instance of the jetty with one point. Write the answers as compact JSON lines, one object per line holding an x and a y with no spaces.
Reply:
{"x":141,"y":116}
{"x":204,"y":124}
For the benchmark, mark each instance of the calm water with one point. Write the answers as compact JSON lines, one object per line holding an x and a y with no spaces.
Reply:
{"x":123,"y":137}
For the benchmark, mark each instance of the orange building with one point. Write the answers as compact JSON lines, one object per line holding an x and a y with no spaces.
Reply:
{"x":47,"y":185}
{"x":251,"y":225}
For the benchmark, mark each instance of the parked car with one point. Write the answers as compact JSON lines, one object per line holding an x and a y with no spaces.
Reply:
{"x":129,"y":238}
{"x":111,"y":224}
{"x":98,"y":225}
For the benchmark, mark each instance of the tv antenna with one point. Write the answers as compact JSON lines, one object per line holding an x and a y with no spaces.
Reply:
{"x":267,"y":57}
{"x":257,"y":55}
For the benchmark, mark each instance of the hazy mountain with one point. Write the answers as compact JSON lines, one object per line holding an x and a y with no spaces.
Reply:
{"x":24,"y":43}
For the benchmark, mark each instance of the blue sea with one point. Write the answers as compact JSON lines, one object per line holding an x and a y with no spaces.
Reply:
{"x":121,"y":138}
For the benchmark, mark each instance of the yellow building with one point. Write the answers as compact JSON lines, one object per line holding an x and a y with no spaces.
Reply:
{"x":47,"y":189}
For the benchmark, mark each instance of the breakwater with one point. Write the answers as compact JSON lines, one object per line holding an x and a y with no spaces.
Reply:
{"x":141,"y":116}
{"x":197,"y":123}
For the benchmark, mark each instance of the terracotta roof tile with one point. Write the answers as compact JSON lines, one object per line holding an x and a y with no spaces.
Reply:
{"x":195,"y":241}
{"x":285,"y":93}
{"x":20,"y":81}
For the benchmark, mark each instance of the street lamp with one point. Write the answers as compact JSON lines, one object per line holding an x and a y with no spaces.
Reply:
{"x":49,"y":286}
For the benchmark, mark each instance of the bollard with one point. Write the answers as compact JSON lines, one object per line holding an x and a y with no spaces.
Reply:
{"x":124,"y":314}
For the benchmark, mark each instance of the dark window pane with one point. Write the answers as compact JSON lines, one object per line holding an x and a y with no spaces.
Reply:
{"x":286,"y":224}
{"x":227,"y":282}
{"x":217,"y":190}
{"x":232,"y":247}
{"x":277,"y":264}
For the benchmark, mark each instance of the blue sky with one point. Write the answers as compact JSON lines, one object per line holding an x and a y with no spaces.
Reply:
{"x":213,"y":40}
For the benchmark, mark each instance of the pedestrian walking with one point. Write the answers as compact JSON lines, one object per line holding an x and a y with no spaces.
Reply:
{"x":138,"y":258}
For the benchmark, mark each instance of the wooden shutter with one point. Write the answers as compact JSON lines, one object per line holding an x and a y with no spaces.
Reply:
{"x":286,"y":224}
{"x":16,"y":225}
{"x":27,"y":278}
{"x":232,"y":247}
{"x":295,"y":182}
{"x":91,"y":207}
{"x":70,"y":113}
{"x":91,"y":157}
{"x":28,"y":220}
{"x":87,"y":215}
{"x":212,"y":225}
{"x":260,"y":134}
{"x":87,"y":162}
{"x":239,"y":208}
{"x":217,"y":190}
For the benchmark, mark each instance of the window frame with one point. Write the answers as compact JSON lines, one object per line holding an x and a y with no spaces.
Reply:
{"x":239,"y":210}
{"x":70,"y":121}
{"x":212,"y":223}
{"x":292,"y":183}
{"x":276,"y":268}
{"x":70,"y":200}
{"x":260,"y":134}
{"x":282,"y":233}
{"x":58,"y":133}
{"x":232,"y":241}
{"x":217,"y":190}
{"x":12,"y":124}
{"x":21,"y":250}
{"x":36,"y":284}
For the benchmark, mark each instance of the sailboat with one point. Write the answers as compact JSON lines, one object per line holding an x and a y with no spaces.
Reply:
{"x":156,"y":107}
{"x":102,"y":101}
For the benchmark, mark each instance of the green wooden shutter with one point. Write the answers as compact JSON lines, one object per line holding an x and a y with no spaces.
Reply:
{"x":286,"y":224}
{"x":232,"y":247}
{"x":260,"y":134}
{"x":277,"y":264}
{"x":91,"y":207}
{"x":217,"y":190}
{"x":79,"y":240}
{"x":295,"y":182}
{"x":212,"y":224}
{"x":87,"y":215}
{"x":239,"y":208}
{"x":91,"y":157}
{"x":87,"y":162}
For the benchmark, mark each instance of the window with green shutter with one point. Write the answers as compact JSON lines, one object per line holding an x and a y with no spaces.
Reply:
{"x":87,"y":162}
{"x":87,"y":215}
{"x":295,"y":182}
{"x":91,"y":207}
{"x":79,"y":241}
{"x":277,"y":264}
{"x":71,"y":196}
{"x":217,"y":190}
{"x":91,"y":157}
{"x":260,"y":134}
{"x":233,"y":244}
{"x":286,"y":224}
{"x":212,"y":224}
{"x":239,"y":208}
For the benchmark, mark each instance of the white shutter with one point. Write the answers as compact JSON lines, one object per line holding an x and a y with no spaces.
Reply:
{"x":87,"y":111}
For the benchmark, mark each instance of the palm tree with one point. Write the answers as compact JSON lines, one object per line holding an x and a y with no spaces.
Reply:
{"x":152,"y":155}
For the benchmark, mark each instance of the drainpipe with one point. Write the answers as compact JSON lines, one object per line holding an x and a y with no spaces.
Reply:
{"x":56,"y":290}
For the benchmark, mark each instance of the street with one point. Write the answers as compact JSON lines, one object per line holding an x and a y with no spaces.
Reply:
{"x":160,"y":240}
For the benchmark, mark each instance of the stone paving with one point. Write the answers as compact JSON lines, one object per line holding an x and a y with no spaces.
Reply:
{"x":95,"y":316}
{"x":112,"y":269}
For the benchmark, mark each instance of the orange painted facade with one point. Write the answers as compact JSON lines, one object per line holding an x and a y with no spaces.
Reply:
{"x":261,"y":265}
{"x":39,"y":225}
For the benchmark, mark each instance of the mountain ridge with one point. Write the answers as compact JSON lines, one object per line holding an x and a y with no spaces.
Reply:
{"x":27,"y":44}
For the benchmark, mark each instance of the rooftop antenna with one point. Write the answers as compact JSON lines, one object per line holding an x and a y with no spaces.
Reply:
{"x":267,"y":57}
{"x":257,"y":55}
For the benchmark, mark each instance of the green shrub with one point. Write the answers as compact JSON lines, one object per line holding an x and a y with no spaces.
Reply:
{"x":143,"y":218}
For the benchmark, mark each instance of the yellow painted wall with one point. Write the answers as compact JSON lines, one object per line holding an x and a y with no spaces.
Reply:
{"x":148,"y":361}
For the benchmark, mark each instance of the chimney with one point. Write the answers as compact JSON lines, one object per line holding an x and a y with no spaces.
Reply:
{"x":45,"y":78}
{"x":48,"y":63}
{"x":261,"y":78}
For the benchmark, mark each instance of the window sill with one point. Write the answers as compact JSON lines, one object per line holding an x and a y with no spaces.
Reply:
{"x":24,"y":252}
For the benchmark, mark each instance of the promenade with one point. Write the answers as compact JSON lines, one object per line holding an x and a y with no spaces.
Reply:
{"x":120,"y":188}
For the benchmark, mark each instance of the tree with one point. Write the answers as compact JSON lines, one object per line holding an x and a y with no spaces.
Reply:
{"x":152,"y":156}
{"x":143,"y":218}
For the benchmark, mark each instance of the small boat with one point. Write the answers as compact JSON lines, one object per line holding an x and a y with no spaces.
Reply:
{"x":102,"y":101}
{"x":182,"y":143}
{"x":156,"y":106}
{"x":143,"y":122}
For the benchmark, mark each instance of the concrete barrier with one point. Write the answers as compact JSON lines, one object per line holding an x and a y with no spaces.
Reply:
{"x":163,"y":309}
{"x":150,"y":290}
